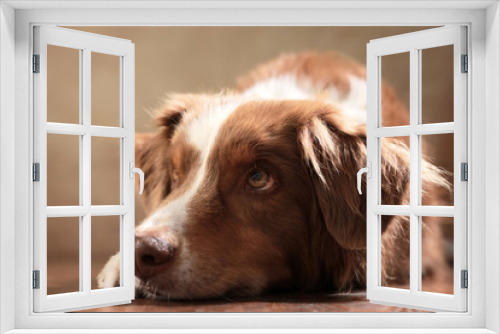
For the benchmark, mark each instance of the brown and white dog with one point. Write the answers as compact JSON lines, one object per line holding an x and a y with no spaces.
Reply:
{"x":254,"y":189}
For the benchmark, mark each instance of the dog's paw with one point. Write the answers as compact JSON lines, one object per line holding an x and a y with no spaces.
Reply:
{"x":109,"y":277}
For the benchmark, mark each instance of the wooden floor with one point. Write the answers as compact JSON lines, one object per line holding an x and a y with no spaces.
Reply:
{"x":64,"y":278}
{"x":351,"y":302}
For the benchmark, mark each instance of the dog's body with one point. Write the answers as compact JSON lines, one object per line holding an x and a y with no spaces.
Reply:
{"x":254,"y":190}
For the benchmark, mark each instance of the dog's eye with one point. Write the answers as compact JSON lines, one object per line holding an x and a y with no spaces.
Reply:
{"x":260,"y":180}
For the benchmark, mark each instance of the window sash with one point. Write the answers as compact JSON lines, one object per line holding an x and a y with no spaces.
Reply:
{"x":87,"y":43}
{"x":413,"y":43}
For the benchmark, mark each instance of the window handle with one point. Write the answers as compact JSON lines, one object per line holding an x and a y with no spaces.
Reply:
{"x":133,"y":170}
{"x":368,"y":171}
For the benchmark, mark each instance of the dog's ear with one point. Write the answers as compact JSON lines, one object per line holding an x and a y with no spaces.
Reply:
{"x":151,"y":148}
{"x":144,"y":159}
{"x":169,"y":115}
{"x":142,"y":143}
{"x":334,"y":149}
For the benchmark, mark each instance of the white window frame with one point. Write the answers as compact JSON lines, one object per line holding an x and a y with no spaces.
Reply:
{"x":414,"y":44}
{"x":483,"y":21}
{"x":86,"y":44}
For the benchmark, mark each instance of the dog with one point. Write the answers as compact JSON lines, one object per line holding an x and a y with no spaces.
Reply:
{"x":253,"y":189}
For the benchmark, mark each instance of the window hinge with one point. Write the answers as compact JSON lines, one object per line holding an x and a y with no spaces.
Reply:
{"x":36,"y":172}
{"x":465,"y":64}
{"x":36,"y":279}
{"x":36,"y":63}
{"x":464,"y":171}
{"x":465,"y":279}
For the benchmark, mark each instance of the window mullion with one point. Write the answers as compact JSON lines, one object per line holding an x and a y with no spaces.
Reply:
{"x":85,"y":166}
{"x":415,"y":243}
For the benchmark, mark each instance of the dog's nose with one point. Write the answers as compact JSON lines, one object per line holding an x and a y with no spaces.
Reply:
{"x":152,"y":254}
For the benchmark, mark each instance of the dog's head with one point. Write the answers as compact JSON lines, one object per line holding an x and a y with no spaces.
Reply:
{"x":246,"y":196}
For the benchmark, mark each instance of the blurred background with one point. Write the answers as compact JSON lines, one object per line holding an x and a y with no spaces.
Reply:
{"x":193,"y":59}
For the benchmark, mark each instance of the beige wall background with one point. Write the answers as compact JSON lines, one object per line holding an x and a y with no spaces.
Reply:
{"x":198,"y":59}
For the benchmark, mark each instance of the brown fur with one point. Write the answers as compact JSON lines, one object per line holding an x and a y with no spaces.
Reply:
{"x":308,"y":231}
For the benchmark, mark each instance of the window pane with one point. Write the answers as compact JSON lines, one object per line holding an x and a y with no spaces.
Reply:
{"x":63,"y":255}
{"x":438,"y":150}
{"x":105,"y":244}
{"x":437,"y":84}
{"x":105,"y":90}
{"x":63,"y":85}
{"x":395,"y":160}
{"x":63,"y":170}
{"x":395,"y":252}
{"x":437,"y":254}
{"x":105,"y":171}
{"x":395,"y":93}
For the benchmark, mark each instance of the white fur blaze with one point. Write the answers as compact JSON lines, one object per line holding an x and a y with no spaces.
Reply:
{"x":201,"y":132}
{"x":289,"y":87}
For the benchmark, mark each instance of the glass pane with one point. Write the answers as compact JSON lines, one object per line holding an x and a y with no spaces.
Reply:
{"x":395,"y":156}
{"x":63,"y":255}
{"x":63,"y":170}
{"x":105,"y":244}
{"x":63,"y":85}
{"x":437,"y":254}
{"x":105,"y":171}
{"x":438,"y":150}
{"x":437,"y":84}
{"x":395,"y":252}
{"x":395,"y":94}
{"x":105,"y":90}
